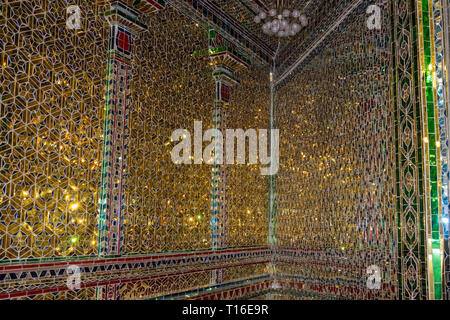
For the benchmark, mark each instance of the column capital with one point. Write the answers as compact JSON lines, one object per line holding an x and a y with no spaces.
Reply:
{"x":121,"y":14}
{"x":128,"y":13}
{"x":227,"y":60}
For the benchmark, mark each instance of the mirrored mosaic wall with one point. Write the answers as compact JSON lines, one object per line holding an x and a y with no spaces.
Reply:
{"x":336,"y":185}
{"x":87,"y":180}
{"x":167,"y":205}
{"x":61,"y":122}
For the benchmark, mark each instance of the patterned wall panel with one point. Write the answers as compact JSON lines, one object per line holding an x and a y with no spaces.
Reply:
{"x":168,"y":205}
{"x":336,"y":185}
{"x":247,"y":189}
{"x":74,"y":99}
{"x":443,"y":39}
{"x":52,"y":84}
{"x":430,"y":53}
{"x":86,"y":175}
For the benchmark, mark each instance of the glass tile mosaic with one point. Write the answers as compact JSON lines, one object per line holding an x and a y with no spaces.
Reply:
{"x":92,"y":91}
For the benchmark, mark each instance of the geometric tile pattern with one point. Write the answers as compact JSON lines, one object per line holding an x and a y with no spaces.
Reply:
{"x":410,"y":150}
{"x":58,"y":132}
{"x":86,"y":177}
{"x":239,"y":191}
{"x":336,"y":184}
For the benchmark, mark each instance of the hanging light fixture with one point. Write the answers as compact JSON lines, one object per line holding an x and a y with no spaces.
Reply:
{"x":280,"y":21}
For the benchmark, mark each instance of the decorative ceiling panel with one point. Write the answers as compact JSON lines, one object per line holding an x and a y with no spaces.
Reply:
{"x":286,"y":50}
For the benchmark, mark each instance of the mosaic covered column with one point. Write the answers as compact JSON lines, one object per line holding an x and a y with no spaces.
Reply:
{"x":226,"y":62}
{"x":272,"y":239}
{"x":272,"y":211}
{"x":124,"y":25}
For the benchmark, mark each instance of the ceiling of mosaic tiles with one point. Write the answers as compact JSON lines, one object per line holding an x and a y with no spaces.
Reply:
{"x":286,"y":49}
{"x":244,"y":12}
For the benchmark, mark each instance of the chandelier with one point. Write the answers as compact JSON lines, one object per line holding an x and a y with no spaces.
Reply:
{"x":280,"y":21}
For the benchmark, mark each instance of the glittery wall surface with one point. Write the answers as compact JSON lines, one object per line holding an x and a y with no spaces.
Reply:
{"x":336,"y":186}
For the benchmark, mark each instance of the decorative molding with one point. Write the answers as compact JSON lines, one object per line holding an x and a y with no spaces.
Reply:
{"x":31,"y":279}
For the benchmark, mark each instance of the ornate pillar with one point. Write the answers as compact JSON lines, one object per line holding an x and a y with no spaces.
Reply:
{"x":124,"y":25}
{"x":226,"y":62}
